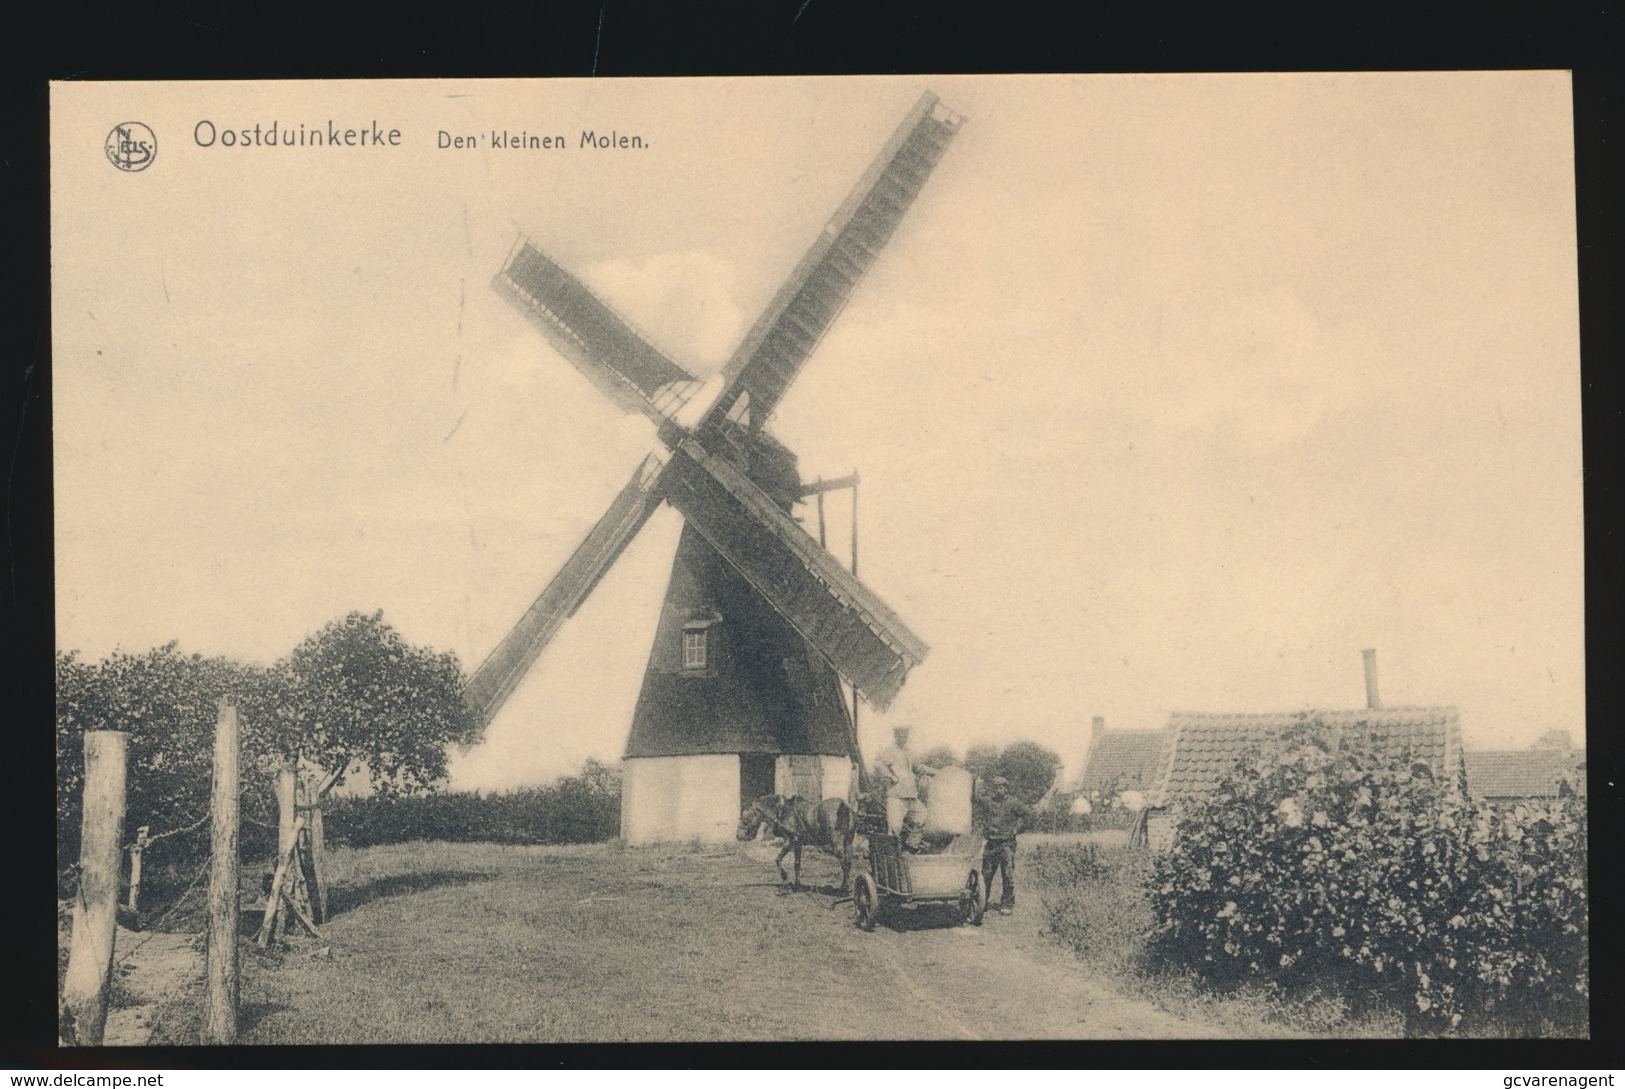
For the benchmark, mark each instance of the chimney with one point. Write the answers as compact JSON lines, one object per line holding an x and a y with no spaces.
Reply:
{"x":1372,"y":700}
{"x":1097,"y":726}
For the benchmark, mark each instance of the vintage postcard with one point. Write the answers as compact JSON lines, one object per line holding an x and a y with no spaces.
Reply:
{"x":873,"y":558}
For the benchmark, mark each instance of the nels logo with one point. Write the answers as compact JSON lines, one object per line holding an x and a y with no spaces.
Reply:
{"x":131,"y":146}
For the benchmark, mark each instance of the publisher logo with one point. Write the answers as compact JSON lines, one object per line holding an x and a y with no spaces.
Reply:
{"x":131,"y":146}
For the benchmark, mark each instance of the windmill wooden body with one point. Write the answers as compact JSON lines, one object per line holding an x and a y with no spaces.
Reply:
{"x":742,"y":693}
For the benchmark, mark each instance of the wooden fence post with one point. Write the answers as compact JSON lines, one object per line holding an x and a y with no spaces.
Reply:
{"x":286,"y":776}
{"x":318,"y":858}
{"x":220,"y":1023}
{"x":95,"y":910}
{"x":136,"y":848}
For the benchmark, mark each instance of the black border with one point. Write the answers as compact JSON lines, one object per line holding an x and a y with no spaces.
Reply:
{"x":777,"y":38}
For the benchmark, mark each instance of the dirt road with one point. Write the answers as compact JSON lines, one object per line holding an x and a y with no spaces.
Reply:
{"x":449,"y":943}
{"x":152,"y":967}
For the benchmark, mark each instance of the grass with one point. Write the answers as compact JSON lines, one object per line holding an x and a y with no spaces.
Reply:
{"x":435,"y":942}
{"x":1092,"y":890}
{"x":468,"y":942}
{"x":480,"y":943}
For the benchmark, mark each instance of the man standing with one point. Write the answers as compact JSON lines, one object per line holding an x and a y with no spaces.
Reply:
{"x":905,"y":815}
{"x":1002,"y":817}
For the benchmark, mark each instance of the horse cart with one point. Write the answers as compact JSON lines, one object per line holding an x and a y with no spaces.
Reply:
{"x":898,"y":880}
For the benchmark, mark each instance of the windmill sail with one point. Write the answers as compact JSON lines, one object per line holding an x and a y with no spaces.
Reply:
{"x":635,"y":374}
{"x":841,"y":618}
{"x":501,"y":672}
{"x":772,"y":353}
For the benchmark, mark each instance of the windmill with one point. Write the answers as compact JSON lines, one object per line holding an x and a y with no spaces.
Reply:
{"x":741,"y":692}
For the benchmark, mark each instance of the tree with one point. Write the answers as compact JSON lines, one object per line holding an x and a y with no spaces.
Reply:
{"x":979,"y":757}
{"x":1029,"y":767}
{"x":601,"y":778}
{"x":941,"y":756}
{"x":361,"y":695}
{"x":166,"y":702}
{"x":354,"y":692}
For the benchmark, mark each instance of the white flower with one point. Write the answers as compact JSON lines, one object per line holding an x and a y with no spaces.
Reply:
{"x":1291,"y":813}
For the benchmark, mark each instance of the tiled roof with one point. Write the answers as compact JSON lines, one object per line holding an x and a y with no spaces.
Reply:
{"x":1205,"y":747}
{"x":1122,"y":760}
{"x":1524,"y":773}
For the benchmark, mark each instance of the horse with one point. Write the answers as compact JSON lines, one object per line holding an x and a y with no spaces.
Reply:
{"x":828,"y":825}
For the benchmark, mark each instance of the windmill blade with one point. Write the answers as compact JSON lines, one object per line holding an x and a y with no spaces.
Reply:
{"x":839,"y":617}
{"x":774,"y":350}
{"x":502,"y":670}
{"x":635,"y":374}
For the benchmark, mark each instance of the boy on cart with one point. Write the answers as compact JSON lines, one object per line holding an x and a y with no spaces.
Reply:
{"x":905,"y":813}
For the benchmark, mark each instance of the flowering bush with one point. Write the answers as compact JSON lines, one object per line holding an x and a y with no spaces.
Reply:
{"x":1367,"y":875}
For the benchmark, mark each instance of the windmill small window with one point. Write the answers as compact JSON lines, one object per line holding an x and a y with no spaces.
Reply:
{"x":697,"y":643}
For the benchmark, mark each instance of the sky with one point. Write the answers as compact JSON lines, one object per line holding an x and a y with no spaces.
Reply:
{"x":1170,"y":392}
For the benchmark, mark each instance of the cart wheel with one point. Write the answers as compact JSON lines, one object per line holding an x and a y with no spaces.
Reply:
{"x":975,"y":901}
{"x":865,"y":902}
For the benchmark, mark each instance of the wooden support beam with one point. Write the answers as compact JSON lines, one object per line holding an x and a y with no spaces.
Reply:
{"x":854,"y":479}
{"x":328,"y":783}
{"x":318,"y":859}
{"x":95,"y":910}
{"x":301,"y":877}
{"x":273,"y":898}
{"x":819,"y":487}
{"x":300,"y":914}
{"x":220,"y":962}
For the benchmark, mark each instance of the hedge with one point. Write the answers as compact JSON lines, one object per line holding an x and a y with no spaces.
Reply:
{"x":584,"y":808}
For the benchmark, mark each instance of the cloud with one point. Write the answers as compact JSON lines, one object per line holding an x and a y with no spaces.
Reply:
{"x":1255,"y":369}
{"x":682,"y":302}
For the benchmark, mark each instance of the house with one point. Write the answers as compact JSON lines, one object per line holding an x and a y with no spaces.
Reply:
{"x":1204,"y":748}
{"x":1121,"y":765}
{"x":1510,"y":776}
